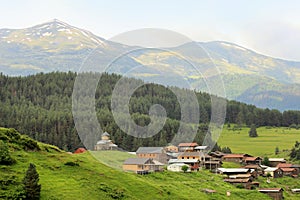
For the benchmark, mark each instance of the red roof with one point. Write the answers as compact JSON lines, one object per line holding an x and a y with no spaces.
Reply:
{"x":284,"y":165}
{"x":193,"y":144}
{"x":288,"y":169}
{"x":80,"y":150}
{"x":251,"y":158}
{"x":234,"y":156}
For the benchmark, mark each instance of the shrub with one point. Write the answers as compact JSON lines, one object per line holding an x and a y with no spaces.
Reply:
{"x":70,"y":163}
{"x":5,"y":158}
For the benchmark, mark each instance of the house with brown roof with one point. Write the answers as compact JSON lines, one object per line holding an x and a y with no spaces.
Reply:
{"x":187,"y":146}
{"x":238,"y":158}
{"x":257,"y":168}
{"x":275,"y":161}
{"x":293,"y":172}
{"x":252,"y":160}
{"x":189,"y":155}
{"x":142,"y":165}
{"x":156,"y":153}
{"x":217,"y":155}
{"x":274,"y":193}
{"x":246,"y":182}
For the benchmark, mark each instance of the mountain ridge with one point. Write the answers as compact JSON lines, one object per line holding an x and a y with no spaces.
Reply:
{"x":58,"y":46}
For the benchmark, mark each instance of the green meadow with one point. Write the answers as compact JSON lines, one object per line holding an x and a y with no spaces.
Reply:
{"x":264,"y":145}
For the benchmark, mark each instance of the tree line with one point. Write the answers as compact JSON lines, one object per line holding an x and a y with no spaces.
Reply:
{"x":41,"y":106}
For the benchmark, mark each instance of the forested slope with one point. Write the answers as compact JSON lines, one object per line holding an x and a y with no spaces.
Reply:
{"x":41,"y":106}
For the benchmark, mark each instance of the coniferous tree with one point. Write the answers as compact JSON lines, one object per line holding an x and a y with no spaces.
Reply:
{"x":276,"y":151}
{"x":31,"y":183}
{"x":253,"y":132}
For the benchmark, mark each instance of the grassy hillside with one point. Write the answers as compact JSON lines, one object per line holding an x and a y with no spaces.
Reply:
{"x":94,"y":180}
{"x":114,"y":159}
{"x":268,"y":139}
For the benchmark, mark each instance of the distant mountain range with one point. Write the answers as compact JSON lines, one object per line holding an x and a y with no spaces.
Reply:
{"x":248,"y":76}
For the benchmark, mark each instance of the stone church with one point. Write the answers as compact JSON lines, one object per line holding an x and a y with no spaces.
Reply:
{"x":105,"y":143}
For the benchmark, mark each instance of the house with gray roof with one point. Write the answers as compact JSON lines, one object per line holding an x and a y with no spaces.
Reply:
{"x":142,"y":165}
{"x":156,"y":153}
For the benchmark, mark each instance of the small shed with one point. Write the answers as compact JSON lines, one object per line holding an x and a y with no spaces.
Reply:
{"x":80,"y":150}
{"x":275,"y":193}
{"x":245,"y":182}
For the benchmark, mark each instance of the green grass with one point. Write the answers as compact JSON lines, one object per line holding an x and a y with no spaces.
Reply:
{"x":264,"y":144}
{"x":94,"y":180}
{"x":113,"y":159}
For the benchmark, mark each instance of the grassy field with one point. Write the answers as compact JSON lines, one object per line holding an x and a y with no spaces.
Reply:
{"x":266,"y":142}
{"x":93,"y":180}
{"x":113,"y":159}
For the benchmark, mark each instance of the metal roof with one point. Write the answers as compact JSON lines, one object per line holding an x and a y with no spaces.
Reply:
{"x":150,"y":150}
{"x":105,"y":134}
{"x":277,"y":160}
{"x":183,"y":161}
{"x":271,"y":169}
{"x":233,"y":170}
{"x":270,"y":189}
{"x":201,"y":147}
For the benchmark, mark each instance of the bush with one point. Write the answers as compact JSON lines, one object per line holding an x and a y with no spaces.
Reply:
{"x":70,"y":163}
{"x":5,"y":158}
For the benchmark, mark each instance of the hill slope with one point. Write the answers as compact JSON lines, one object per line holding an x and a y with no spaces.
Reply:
{"x":94,"y":180}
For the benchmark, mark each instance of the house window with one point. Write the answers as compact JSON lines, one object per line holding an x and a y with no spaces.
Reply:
{"x":182,"y":157}
{"x":193,"y":157}
{"x":188,"y":157}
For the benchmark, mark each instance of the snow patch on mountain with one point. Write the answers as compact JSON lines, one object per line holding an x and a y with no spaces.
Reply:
{"x":233,"y":46}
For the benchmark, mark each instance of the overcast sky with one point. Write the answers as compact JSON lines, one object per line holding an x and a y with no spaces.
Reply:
{"x":270,"y":27}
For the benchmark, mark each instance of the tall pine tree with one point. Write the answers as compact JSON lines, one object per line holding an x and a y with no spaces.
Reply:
{"x":31,"y":183}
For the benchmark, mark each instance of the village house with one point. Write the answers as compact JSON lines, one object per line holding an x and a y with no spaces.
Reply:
{"x":233,"y":171}
{"x":105,"y":143}
{"x":245,"y":182}
{"x":156,"y":153}
{"x":217,"y":155}
{"x":256,"y":168}
{"x":187,"y":146}
{"x":192,"y":163}
{"x":212,"y":165}
{"x":238,"y":158}
{"x":275,"y":161}
{"x":289,"y":169}
{"x":274,"y":193}
{"x":171,"y":149}
{"x":189,"y":155}
{"x":203,"y":149}
{"x":142,"y":165}
{"x":274,"y":172}
{"x":293,"y":172}
{"x":252,"y":160}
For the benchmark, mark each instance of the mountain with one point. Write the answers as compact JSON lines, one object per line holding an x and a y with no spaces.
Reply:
{"x":248,"y":76}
